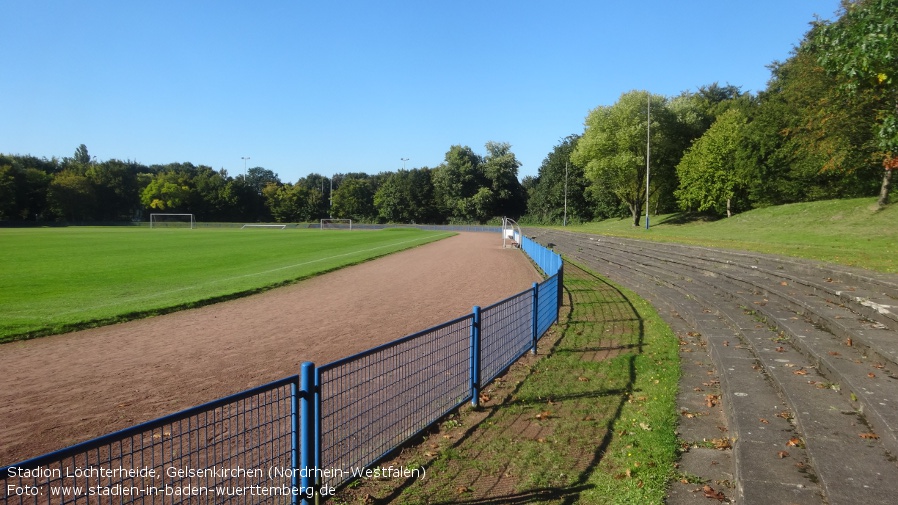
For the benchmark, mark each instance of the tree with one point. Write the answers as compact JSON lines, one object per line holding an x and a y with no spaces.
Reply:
{"x":292,"y":202}
{"x":613,"y":151}
{"x":115,"y":185}
{"x":168,"y":191}
{"x":862,"y":46}
{"x":709,"y":179}
{"x":71,"y":196}
{"x":321,"y":186}
{"x":500,"y":169}
{"x":406,"y":196}
{"x":82,"y":156}
{"x":258,"y":177}
{"x":455,"y":183}
{"x":546,"y":194}
{"x":354,"y":199}
{"x":8,"y":192}
{"x":473,"y":188}
{"x":211,"y":198}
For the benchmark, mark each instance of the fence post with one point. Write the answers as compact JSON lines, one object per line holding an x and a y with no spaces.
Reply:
{"x":534,"y":323}
{"x":475,"y":358}
{"x":295,"y":399}
{"x":307,"y":445}
{"x":560,"y":287}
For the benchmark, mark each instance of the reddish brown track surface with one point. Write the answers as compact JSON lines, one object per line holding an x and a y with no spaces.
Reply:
{"x":65,"y":389}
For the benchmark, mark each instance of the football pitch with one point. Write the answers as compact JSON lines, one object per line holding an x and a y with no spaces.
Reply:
{"x":54,"y":280}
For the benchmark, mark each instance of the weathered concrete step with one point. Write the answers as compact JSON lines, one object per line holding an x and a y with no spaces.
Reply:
{"x":841,"y":322}
{"x":859,"y":373}
{"x":841,"y":318}
{"x":873,"y":295}
{"x":874,"y":389}
{"x":757,"y":478}
{"x":830,"y":435}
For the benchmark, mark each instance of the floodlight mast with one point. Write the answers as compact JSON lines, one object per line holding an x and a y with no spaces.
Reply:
{"x":648,"y":152}
{"x":565,"y":193}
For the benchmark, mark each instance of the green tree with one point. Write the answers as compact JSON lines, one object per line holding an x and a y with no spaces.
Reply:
{"x":709,"y":179}
{"x":557,"y":175}
{"x":32,"y":187}
{"x":211,"y":198}
{"x":115,"y":185}
{"x":613,"y":148}
{"x":320,"y":187}
{"x":8,"y":193}
{"x":258,"y":178}
{"x":406,"y":196}
{"x":71,"y":196}
{"x":500,"y":169}
{"x":805,"y":139}
{"x":81,"y":155}
{"x":354,"y":199}
{"x":291,"y":202}
{"x":455,"y":183}
{"x":168,"y":191}
{"x":862,"y":46}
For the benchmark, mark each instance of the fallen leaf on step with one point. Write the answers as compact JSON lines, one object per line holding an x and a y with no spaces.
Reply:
{"x":709,"y":492}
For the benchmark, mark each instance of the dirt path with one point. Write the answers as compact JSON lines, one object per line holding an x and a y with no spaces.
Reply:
{"x":65,"y":389}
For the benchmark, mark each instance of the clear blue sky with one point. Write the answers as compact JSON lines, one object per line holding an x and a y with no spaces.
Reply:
{"x":354,"y":86}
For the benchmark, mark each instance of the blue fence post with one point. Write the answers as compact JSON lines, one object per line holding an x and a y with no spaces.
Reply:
{"x":560,"y":288}
{"x":308,"y":445}
{"x":535,"y":319}
{"x":316,"y":436}
{"x":295,"y":451}
{"x":475,"y":358}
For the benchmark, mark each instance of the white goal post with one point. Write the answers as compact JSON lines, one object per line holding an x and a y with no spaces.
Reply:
{"x":511,"y":233}
{"x":168,"y":220}
{"x":336,"y":224}
{"x":278,"y":226}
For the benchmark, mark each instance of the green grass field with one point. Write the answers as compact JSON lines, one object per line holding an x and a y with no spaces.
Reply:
{"x":61,"y":279}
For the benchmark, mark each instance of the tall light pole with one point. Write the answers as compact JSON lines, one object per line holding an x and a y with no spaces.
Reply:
{"x":403,"y":162}
{"x":648,"y":152}
{"x":565,"y":193}
{"x":244,"y":158}
{"x":330,"y":209}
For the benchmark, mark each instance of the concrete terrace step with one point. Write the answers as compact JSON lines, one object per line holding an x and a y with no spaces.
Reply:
{"x":777,"y":331}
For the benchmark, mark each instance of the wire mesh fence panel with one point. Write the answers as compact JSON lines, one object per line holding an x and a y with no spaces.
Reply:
{"x":547,"y":305}
{"x":234,"y":450}
{"x":544,"y":258}
{"x":373,"y":402}
{"x":505,"y":334}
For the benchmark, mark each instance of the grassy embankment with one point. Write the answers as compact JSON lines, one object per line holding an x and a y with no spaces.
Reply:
{"x":850,"y":232}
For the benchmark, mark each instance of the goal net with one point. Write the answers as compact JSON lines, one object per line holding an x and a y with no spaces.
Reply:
{"x":159,"y":220}
{"x":336,"y":224}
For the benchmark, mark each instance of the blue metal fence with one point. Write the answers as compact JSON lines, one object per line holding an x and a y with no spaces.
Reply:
{"x":506,"y":333}
{"x":546,"y":259}
{"x":206,"y":451}
{"x":372,"y":402}
{"x":305,"y":434}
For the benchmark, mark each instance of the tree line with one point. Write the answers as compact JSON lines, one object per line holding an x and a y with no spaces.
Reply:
{"x":825,"y":127}
{"x":467,"y":187}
